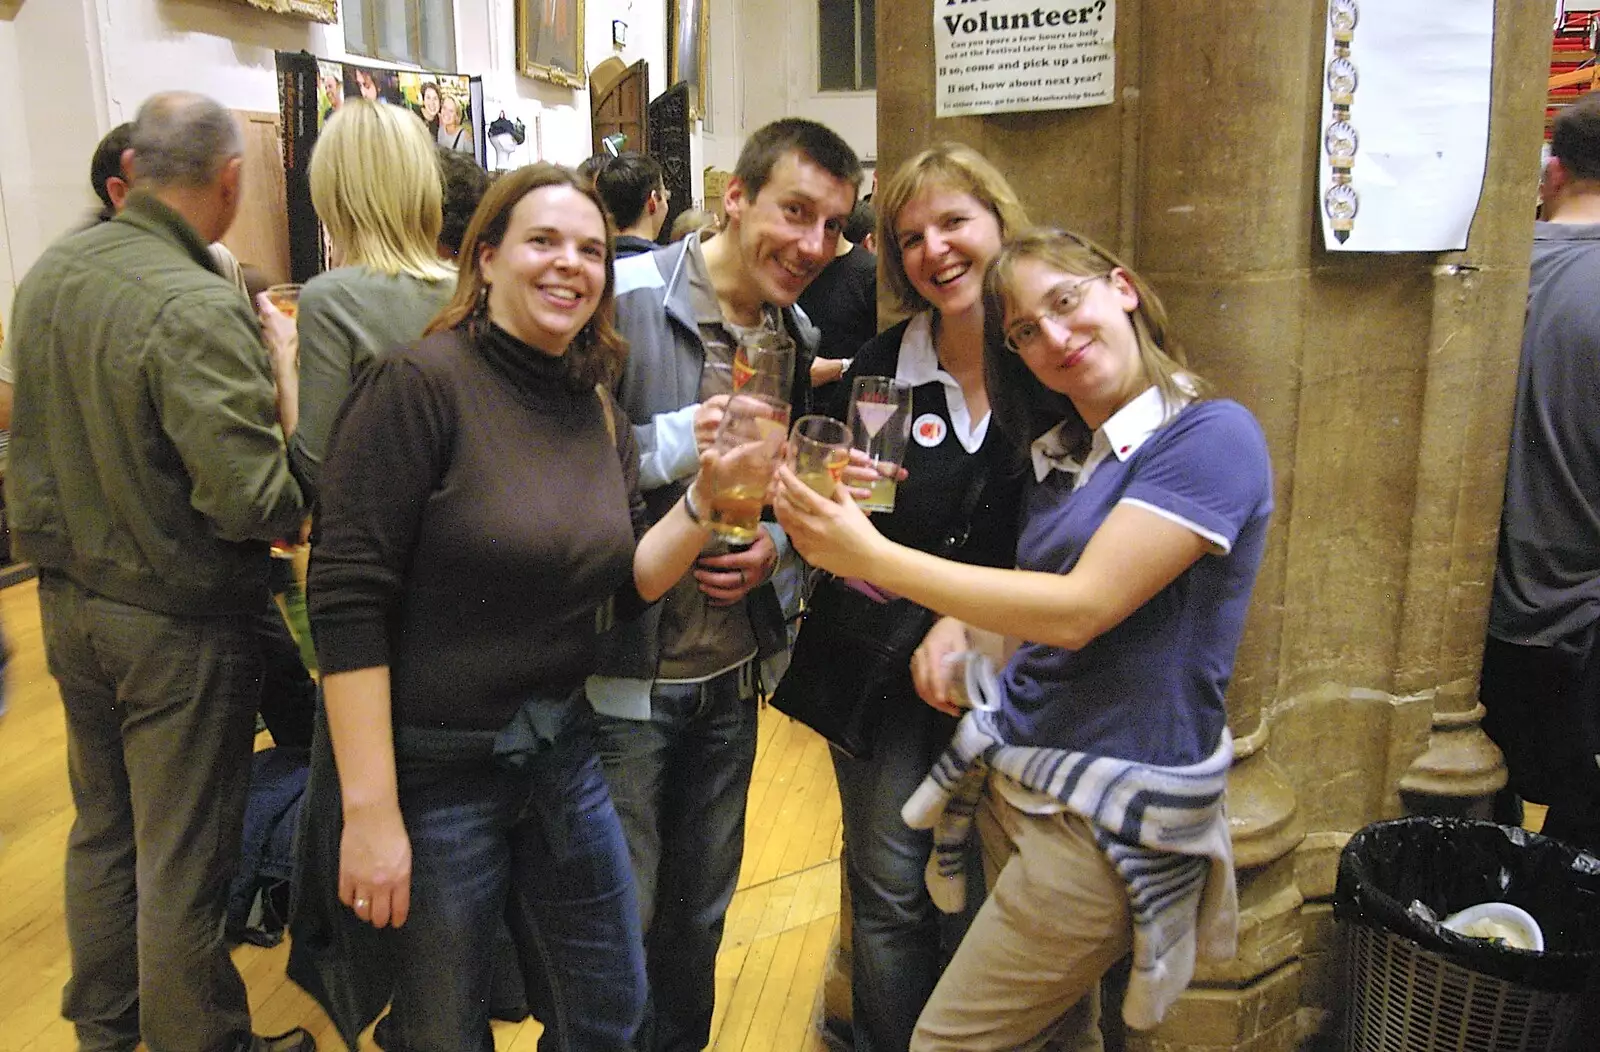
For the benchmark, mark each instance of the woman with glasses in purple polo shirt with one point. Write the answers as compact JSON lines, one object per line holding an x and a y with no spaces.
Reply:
{"x":1094,"y":764}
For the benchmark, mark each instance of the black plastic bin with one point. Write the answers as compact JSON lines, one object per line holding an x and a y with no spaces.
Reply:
{"x":1412,"y":986}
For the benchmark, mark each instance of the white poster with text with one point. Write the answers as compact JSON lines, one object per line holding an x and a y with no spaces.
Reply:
{"x":1008,"y":56}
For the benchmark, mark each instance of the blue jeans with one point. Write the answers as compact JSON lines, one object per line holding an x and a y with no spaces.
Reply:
{"x":680,"y":782}
{"x":159,"y":714}
{"x":900,"y":942}
{"x":541,"y":848}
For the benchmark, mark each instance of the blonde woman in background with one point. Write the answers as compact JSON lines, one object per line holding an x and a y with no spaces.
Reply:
{"x":375,"y":185}
{"x":693,"y":221}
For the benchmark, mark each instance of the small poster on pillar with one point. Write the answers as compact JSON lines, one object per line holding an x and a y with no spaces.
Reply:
{"x":1009,"y":56}
{"x":1405,"y":123}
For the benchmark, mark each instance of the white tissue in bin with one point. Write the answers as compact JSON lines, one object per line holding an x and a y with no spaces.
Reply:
{"x":1498,"y":920}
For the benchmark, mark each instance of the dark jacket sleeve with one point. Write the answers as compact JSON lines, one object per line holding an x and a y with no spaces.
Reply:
{"x":211,"y":383}
{"x":997,"y":519}
{"x":389,"y":448}
{"x":806,"y":337}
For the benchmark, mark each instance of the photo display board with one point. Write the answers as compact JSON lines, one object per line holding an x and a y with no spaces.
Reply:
{"x":311,"y":89}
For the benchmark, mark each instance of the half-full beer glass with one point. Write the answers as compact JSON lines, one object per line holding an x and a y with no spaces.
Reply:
{"x":749,"y":446}
{"x":819,"y":450}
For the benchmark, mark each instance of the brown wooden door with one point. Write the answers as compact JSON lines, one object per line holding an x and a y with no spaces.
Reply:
{"x":260,"y":233}
{"x":621,"y":108}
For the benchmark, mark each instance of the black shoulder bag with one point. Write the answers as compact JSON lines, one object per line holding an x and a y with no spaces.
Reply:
{"x":854,"y":653}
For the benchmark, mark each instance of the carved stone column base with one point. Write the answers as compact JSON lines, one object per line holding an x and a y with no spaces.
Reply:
{"x":1320,"y":969}
{"x":1269,"y":929}
{"x":1263,"y":816}
{"x":1461,"y":770}
{"x":1251,"y":1001}
{"x":1260,"y":1017}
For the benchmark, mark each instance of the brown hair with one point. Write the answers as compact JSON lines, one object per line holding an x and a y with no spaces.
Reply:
{"x":1023,"y":407}
{"x":767,"y":145}
{"x":597,"y":353}
{"x":946,"y":164}
{"x":1575,"y":137}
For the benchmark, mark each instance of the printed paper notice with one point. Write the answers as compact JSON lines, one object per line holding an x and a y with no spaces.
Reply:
{"x":1405,"y":123}
{"x":1006,"y":56}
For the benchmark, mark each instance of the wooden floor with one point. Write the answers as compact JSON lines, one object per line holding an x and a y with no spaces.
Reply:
{"x":768,"y":974}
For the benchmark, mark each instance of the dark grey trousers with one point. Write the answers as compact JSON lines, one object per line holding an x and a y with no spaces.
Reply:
{"x":159,"y":712}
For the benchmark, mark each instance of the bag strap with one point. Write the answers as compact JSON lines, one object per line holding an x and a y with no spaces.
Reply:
{"x":966,"y":509}
{"x":605,"y":614}
{"x":605,"y":407}
{"x":962,"y":524}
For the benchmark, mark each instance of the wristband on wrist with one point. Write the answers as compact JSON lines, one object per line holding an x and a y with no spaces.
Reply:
{"x":690,"y":510}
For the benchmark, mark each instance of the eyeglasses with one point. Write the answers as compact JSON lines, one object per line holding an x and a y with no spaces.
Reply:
{"x":1026,"y":334}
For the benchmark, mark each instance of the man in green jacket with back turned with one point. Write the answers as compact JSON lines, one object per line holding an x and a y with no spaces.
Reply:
{"x":147,"y":475}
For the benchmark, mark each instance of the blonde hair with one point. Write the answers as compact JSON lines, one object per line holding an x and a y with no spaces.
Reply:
{"x":691,"y":221}
{"x":375,"y":185}
{"x":597,"y":353}
{"x":1023,"y":407}
{"x":954,"y":166}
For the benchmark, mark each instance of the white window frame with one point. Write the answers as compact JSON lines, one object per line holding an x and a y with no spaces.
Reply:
{"x":374,"y":20}
{"x":862,"y":28}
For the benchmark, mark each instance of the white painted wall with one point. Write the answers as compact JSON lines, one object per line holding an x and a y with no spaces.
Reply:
{"x":81,"y":66}
{"x":486,"y":45}
{"x":220,"y":49}
{"x":49,"y":64}
{"x":778,"y":39}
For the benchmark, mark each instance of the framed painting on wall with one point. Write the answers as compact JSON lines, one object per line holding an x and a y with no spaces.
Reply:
{"x":326,"y":11}
{"x":687,"y":53}
{"x":550,"y":41}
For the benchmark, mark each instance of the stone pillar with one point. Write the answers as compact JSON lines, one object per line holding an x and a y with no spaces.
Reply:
{"x":1384,"y":385}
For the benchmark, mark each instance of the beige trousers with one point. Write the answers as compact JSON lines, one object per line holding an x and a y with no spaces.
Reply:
{"x":1027,"y":975}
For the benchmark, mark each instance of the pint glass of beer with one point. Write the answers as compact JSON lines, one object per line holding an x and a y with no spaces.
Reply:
{"x":819,"y":450}
{"x":749,"y":447}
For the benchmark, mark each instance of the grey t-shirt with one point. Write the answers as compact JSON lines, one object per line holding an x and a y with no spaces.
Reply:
{"x":348,"y":317}
{"x":1547,"y":577}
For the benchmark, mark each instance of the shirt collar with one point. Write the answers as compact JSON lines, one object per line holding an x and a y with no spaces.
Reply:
{"x":702,"y":295}
{"x":1546,"y":231}
{"x":148,"y":212}
{"x":1121,"y":436}
{"x":919,"y":364}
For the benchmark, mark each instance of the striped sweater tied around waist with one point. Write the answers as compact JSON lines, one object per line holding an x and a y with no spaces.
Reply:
{"x":1164,"y":830}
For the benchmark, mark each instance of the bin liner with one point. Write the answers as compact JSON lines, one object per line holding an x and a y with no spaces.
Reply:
{"x":1405,"y":875}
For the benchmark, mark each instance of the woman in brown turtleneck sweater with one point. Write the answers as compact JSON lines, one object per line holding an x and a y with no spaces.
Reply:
{"x":480,"y":517}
